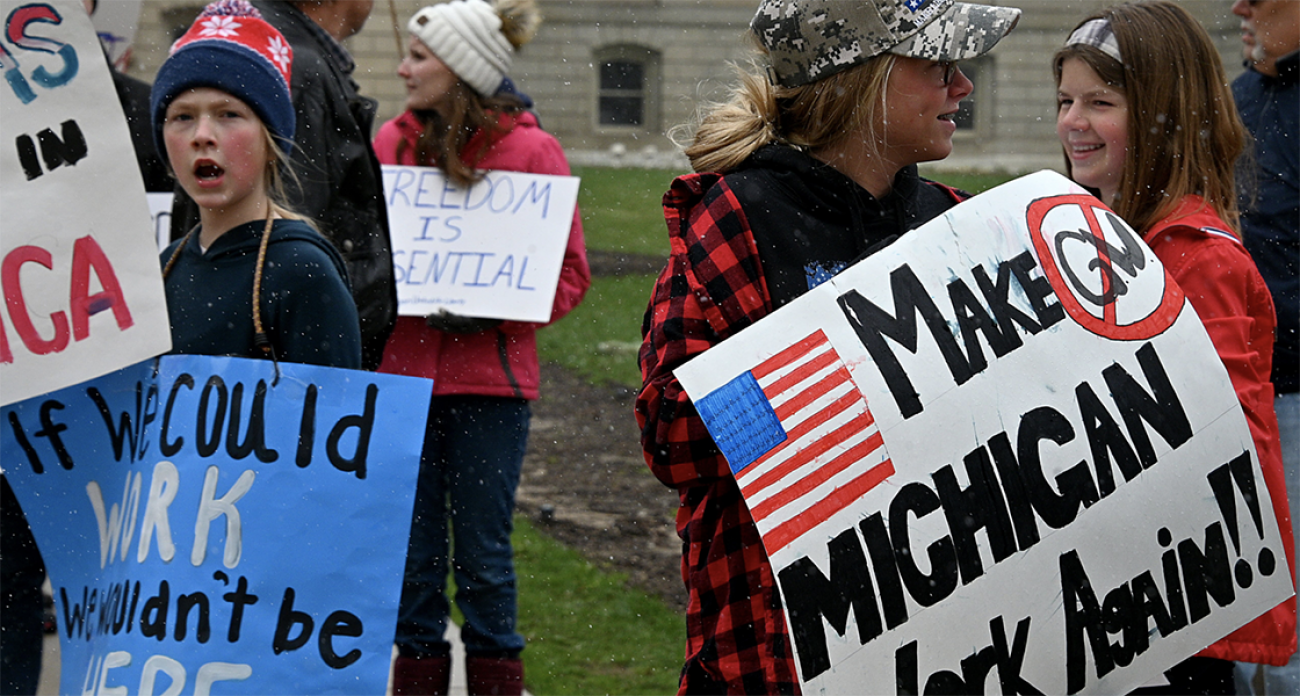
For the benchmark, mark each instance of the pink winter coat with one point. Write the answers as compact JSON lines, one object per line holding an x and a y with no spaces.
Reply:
{"x":501,"y":361}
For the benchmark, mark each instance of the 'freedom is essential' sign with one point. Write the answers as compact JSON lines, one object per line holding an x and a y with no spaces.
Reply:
{"x":212,"y":525}
{"x":1000,"y":455}
{"x":82,"y":292}
{"x":494,"y":250}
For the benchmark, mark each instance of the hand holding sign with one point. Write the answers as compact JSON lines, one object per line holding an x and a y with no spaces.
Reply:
{"x":443,"y":320}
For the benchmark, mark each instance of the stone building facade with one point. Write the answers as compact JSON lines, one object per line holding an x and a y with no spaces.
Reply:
{"x":612,"y":78}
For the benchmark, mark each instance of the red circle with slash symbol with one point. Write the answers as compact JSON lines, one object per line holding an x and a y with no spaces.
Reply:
{"x":1103,"y":280}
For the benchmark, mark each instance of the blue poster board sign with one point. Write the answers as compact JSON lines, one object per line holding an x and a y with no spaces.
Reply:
{"x":209,"y":526}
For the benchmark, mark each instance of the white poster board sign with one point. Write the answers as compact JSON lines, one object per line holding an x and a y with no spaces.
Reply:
{"x":494,"y":250}
{"x":82,"y":288}
{"x":998,"y":456}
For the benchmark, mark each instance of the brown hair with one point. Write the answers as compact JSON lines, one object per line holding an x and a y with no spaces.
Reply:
{"x":444,"y":138}
{"x":1184,"y":131}
{"x":811,"y":116}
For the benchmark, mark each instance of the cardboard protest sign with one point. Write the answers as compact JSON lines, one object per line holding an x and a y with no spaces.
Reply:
{"x":494,"y":250}
{"x":82,"y":289}
{"x":202,"y":522}
{"x":1000,"y":455}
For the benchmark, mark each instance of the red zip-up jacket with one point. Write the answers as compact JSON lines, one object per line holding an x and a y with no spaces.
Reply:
{"x":1228,"y":293}
{"x":501,"y":361}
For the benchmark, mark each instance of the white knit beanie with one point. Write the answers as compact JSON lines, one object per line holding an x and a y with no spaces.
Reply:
{"x":466,"y":35}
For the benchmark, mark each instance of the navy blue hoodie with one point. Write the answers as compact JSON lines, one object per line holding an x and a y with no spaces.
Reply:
{"x":307,"y":309}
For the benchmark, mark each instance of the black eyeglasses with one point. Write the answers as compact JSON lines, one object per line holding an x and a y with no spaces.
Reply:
{"x":949,"y":71}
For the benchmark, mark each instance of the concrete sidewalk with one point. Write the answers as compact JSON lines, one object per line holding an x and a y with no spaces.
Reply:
{"x":49,"y":685}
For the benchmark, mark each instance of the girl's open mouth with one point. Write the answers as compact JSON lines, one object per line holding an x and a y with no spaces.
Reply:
{"x":207,"y":170}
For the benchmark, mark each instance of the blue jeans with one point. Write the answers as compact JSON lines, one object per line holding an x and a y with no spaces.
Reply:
{"x":22,"y":610}
{"x":1284,"y":679}
{"x":469,"y":470}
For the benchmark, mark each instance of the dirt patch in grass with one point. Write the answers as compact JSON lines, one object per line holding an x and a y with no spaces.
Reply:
{"x":586,"y":484}
{"x":614,"y":263}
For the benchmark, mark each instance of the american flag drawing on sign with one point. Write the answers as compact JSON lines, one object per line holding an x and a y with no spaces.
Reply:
{"x":799,"y":438}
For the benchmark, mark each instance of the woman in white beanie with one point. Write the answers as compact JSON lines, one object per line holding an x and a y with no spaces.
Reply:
{"x":464,"y":118}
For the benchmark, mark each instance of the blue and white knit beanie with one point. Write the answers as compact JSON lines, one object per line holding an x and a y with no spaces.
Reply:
{"x":230,"y":48}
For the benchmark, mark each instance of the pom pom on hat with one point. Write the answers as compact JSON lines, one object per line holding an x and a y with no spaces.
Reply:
{"x":477,"y":40}
{"x":231,"y":48}
{"x":520,"y":20}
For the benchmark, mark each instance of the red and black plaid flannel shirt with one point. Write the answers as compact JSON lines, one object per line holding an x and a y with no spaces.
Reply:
{"x":712,"y":288}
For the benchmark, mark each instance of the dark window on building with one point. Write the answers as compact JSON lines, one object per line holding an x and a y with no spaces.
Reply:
{"x":973,"y":69}
{"x":622,"y":93}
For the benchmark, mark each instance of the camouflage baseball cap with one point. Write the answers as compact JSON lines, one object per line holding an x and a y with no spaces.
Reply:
{"x":809,"y":40}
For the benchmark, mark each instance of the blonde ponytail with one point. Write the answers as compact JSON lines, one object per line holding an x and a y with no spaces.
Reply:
{"x":810,"y":117}
{"x":730,"y":132}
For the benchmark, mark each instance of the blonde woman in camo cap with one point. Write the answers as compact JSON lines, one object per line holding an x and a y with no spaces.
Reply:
{"x":809,"y":167}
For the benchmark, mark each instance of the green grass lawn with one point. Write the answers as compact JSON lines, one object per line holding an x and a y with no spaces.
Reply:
{"x":971,"y":182}
{"x":600,"y":338}
{"x":621,"y":208}
{"x":587,"y":632}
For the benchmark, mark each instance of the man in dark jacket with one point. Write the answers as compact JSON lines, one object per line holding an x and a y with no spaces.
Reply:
{"x":340,"y":185}
{"x":1268,"y":96}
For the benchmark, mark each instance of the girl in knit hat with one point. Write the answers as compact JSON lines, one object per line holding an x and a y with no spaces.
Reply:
{"x":253,"y":279}
{"x":463,"y":118}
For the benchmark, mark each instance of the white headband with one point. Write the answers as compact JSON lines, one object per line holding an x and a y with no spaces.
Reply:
{"x":1097,"y":33}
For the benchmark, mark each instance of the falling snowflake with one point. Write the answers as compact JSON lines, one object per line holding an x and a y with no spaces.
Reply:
{"x":220,"y":26}
{"x":280,"y":53}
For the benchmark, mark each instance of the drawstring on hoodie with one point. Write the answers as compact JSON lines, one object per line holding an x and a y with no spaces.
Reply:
{"x":261,"y":341}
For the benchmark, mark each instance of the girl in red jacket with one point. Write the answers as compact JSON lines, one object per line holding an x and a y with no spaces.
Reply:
{"x":463,"y":117}
{"x":1147,"y":121}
